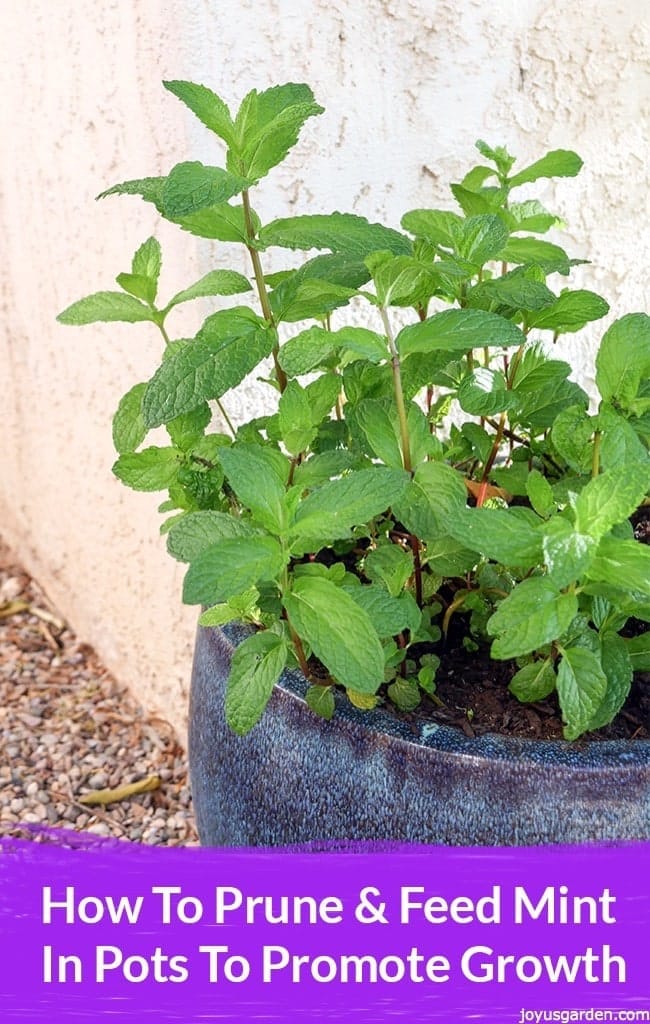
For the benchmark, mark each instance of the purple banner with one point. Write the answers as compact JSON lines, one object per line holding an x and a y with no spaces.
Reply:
{"x":436,"y":934}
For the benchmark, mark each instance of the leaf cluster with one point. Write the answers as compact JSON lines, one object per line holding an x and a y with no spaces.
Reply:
{"x":356,"y":520}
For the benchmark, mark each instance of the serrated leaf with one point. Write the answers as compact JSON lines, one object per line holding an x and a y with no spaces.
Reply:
{"x":216,"y":282}
{"x":513,"y":291}
{"x":137,"y":285}
{"x":258,"y":476}
{"x":531,"y":216}
{"x":381,"y":430}
{"x":240,"y":606}
{"x":458,"y":330}
{"x":153,"y":469}
{"x":405,"y":694}
{"x":223,"y":222}
{"x":105,"y":307}
{"x":617,"y":666}
{"x":638,"y":648}
{"x":623,"y":360}
{"x":572,"y":435}
{"x":482,"y":238}
{"x":195,"y":532}
{"x":620,"y":444}
{"x":147,"y":262}
{"x":401,"y":280}
{"x":533,"y":682}
{"x":192,"y":186}
{"x":322,"y":467}
{"x":533,"y":251}
{"x":150,"y":189}
{"x":207,"y":106}
{"x":343,"y":233}
{"x":129,"y":430}
{"x":306,"y":351}
{"x":256,"y":666}
{"x":623,"y":563}
{"x":483,"y":392}
{"x":228,"y":347}
{"x":559,"y":163}
{"x":230,"y":567}
{"x":389,"y":615}
{"x":187,"y":430}
{"x":335,"y":507}
{"x":339,"y":632}
{"x":438,"y":227}
{"x":533,"y":615}
{"x":581,"y":687}
{"x":567,"y":553}
{"x":503,"y":535}
{"x":611,"y":498}
{"x":570,"y":312}
{"x":363,"y":701}
{"x":268,"y":125}
{"x":391,"y":565}
{"x":447,"y":556}
{"x":320,"y":699}
{"x":297,"y":428}
{"x":540,"y":494}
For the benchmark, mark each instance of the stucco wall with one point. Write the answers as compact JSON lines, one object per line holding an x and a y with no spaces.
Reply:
{"x":407,"y":87}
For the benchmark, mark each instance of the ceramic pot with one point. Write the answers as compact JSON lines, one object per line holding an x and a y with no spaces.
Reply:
{"x":366,"y":776}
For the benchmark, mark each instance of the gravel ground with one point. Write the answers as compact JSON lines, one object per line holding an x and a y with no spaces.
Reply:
{"x":68,"y":730}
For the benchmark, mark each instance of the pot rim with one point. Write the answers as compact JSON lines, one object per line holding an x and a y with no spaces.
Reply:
{"x":624,"y":755}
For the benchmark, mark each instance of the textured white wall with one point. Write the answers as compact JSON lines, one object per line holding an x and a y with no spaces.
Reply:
{"x":407,"y":87}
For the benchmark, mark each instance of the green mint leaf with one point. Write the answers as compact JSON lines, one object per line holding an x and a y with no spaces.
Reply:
{"x":617,"y":666}
{"x":192,"y":186}
{"x":147,"y":262}
{"x":228,"y":347}
{"x":378,"y":421}
{"x":513,"y":291}
{"x":216,"y":282}
{"x":474,"y":204}
{"x":623,"y":360}
{"x":529,"y":251}
{"x":533,"y":615}
{"x":222,"y":222}
{"x":581,"y":687}
{"x":138,"y":286}
{"x":230,"y":567}
{"x":620,"y":444}
{"x":256,"y":666}
{"x":268,"y":125}
{"x":208,"y":107}
{"x":567,"y":554}
{"x":258,"y":476}
{"x":447,"y":556}
{"x":129,"y":430}
{"x":306,"y":351}
{"x":483,"y":392}
{"x":540,"y":494}
{"x":188,"y":429}
{"x":570,"y":312}
{"x":572,"y":435}
{"x":390,"y":615}
{"x":339,"y":632}
{"x":405,"y":694}
{"x":504,"y":535}
{"x":458,"y":330}
{"x":531,"y":216}
{"x":611,"y":498}
{"x":335,"y":507}
{"x":150,"y":189}
{"x":438,"y":227}
{"x":241,"y":606}
{"x":107,"y":307}
{"x":560,"y":163}
{"x":153,"y":469}
{"x":638,"y":648}
{"x":391,"y":565}
{"x":321,"y":701}
{"x":297,"y":428}
{"x":482,"y":238}
{"x":322,"y":467}
{"x":623,"y":563}
{"x":195,"y":532}
{"x":533,"y":682}
{"x":342,"y":233}
{"x":403,"y":280}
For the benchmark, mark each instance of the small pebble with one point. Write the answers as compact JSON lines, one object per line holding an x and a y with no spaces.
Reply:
{"x":67,"y":728}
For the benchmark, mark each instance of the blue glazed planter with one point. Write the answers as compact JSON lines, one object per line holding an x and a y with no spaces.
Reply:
{"x":365,"y":776}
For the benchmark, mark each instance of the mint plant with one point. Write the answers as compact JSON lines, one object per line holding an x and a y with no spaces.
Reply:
{"x":356,"y":522}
